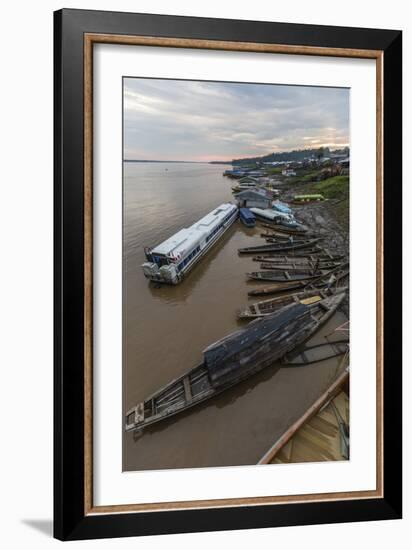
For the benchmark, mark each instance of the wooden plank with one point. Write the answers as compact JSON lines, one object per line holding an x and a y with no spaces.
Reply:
{"x":188,"y":391}
{"x":317,"y":405}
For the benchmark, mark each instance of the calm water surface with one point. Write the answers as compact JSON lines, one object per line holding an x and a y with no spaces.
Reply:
{"x":166,"y":328}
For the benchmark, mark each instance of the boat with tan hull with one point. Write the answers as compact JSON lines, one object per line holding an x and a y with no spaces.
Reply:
{"x":286,"y":275}
{"x":267,"y":307}
{"x":296,"y":266}
{"x":279,"y":246}
{"x":233,"y":359}
{"x":333,"y":277}
{"x":315,"y":354}
{"x":299,"y":260}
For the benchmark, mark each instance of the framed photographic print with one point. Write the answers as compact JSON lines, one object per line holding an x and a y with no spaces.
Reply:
{"x":227,"y":274}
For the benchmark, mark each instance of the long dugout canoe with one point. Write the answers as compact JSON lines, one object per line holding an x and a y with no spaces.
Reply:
{"x":268,"y":306}
{"x":317,"y":283}
{"x":279,"y":247}
{"x":286,"y":276}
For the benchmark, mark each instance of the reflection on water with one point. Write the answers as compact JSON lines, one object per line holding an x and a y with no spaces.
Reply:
{"x":166,"y":328}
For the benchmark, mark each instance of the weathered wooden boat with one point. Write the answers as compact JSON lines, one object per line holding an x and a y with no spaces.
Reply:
{"x":315,"y":354}
{"x":292,"y":238}
{"x":299,"y":230}
{"x":286,"y":276}
{"x":267,"y":307}
{"x":301,"y":257}
{"x":292,"y":266}
{"x":321,"y":433}
{"x":233,"y":359}
{"x":279,"y":247}
{"x":324,"y":281}
{"x":279,"y":236}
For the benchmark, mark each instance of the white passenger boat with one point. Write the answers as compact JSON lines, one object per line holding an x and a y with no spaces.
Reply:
{"x":273,"y":215}
{"x":171,"y":260}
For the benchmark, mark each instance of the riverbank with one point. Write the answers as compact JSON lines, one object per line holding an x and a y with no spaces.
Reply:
{"x":328,"y":218}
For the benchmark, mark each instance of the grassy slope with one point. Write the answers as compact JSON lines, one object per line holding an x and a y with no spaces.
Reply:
{"x":333,"y":188}
{"x":336,"y":188}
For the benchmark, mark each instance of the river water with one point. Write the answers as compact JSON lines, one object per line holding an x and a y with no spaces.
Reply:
{"x":166,"y":328}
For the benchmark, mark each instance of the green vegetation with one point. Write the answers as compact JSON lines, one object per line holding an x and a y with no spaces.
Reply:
{"x":303,"y":176}
{"x":296,"y":155}
{"x":336,"y":187}
{"x":273,"y":170}
{"x":309,"y":176}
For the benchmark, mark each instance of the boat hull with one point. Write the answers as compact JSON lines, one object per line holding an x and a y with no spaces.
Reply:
{"x":271,"y":305}
{"x":278,"y":247}
{"x":188,"y":268}
{"x":200,"y":383}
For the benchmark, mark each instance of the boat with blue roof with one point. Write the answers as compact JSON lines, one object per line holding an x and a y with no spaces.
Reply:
{"x":247,"y":217}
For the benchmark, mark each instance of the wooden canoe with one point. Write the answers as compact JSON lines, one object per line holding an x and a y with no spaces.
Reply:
{"x":278,"y":236}
{"x":278,"y":247}
{"x":324,"y":437}
{"x":286,"y":276}
{"x":302,"y":258}
{"x":233,"y":359}
{"x":294,"y":239}
{"x":293,"y":266}
{"x":324,"y":281}
{"x":331,"y":443}
{"x":271,"y":305}
{"x":315,"y":354}
{"x":283,"y":229}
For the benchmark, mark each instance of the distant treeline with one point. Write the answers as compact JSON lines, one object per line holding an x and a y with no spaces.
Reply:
{"x":296,"y":155}
{"x":165,"y":161}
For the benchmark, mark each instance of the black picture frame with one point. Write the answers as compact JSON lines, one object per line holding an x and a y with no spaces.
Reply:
{"x":71,"y":522}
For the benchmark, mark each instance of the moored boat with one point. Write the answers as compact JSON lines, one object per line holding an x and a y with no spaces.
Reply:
{"x":302,"y":256}
{"x":271,"y":305}
{"x":292,"y":266}
{"x":291,"y":238}
{"x":322,"y":432}
{"x":304,"y":199}
{"x":279,"y":247}
{"x":297,"y":230}
{"x":286,"y":276}
{"x":247,"y":217}
{"x":279,"y":236}
{"x":322,"y":255}
{"x":171,"y":260}
{"x":277,"y":217}
{"x":282,"y":207}
{"x":233,"y":359}
{"x":314,"y":354}
{"x":332,"y":278}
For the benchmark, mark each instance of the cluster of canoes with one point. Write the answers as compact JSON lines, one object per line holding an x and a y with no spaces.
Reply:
{"x":278,"y":326}
{"x":236,"y":357}
{"x":291,"y":260}
{"x":307,"y":282}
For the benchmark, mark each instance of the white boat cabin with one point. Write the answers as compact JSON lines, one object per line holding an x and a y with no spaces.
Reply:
{"x":169,"y":261}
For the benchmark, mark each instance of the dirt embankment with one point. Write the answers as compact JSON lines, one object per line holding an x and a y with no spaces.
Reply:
{"x":328,"y":219}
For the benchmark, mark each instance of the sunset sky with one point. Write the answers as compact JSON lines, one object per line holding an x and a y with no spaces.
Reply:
{"x":204,"y":121}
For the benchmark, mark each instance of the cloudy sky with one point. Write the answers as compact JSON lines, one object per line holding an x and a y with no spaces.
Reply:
{"x":203,"y":121}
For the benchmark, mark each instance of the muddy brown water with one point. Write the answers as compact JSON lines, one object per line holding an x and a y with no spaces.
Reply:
{"x":165,"y":329}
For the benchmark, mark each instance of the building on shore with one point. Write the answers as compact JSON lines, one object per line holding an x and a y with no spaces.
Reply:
{"x":257,"y":198}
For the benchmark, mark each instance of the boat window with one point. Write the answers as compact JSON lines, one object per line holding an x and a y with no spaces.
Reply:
{"x":160,"y":261}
